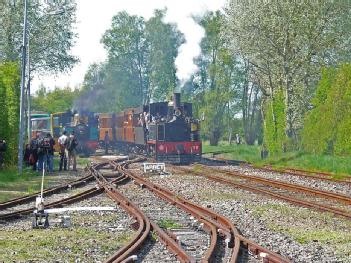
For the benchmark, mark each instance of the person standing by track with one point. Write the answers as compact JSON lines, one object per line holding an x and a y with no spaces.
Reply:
{"x":71,"y":151}
{"x":50,"y":142}
{"x":106,"y":142}
{"x":62,"y":141}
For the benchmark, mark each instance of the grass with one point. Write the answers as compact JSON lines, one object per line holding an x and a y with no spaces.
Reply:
{"x":168,"y":223}
{"x":83,"y":161}
{"x":338,"y":165}
{"x":41,"y":245}
{"x":13,"y":185}
{"x":235,"y":152}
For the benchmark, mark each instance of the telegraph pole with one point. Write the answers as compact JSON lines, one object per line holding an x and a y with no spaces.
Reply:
{"x":29,"y":123}
{"x":23,"y":80}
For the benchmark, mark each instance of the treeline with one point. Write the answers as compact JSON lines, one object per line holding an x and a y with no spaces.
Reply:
{"x":56,"y":100}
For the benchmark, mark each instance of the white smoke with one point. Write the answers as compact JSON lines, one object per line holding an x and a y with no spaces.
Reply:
{"x":182,"y":13}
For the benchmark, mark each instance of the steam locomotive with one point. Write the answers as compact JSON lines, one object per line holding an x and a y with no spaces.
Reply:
{"x":165,"y":131}
{"x":85,"y":127}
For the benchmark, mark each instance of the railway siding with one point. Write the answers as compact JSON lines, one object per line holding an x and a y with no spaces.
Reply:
{"x":283,"y":231}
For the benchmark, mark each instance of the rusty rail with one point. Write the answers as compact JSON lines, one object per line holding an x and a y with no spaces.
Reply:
{"x":289,"y":199}
{"x":323,"y":176}
{"x":299,"y":188}
{"x":223,"y":225}
{"x":47,"y":192}
{"x":145,"y":225}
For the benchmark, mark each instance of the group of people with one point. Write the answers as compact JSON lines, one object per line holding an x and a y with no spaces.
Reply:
{"x":39,"y":153}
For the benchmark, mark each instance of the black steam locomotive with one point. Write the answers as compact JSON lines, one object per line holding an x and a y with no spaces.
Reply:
{"x":166,"y":131}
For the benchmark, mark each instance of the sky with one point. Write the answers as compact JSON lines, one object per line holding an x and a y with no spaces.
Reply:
{"x":94,"y":18}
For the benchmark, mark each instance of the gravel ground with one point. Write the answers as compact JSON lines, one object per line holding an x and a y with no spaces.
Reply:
{"x":195,"y":242}
{"x":309,"y":182}
{"x":162,"y":210}
{"x":300,"y":234}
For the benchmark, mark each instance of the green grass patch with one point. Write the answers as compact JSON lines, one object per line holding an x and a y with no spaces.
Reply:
{"x":83,"y":161}
{"x":236,"y":152}
{"x":42,"y":245}
{"x":168,"y":223}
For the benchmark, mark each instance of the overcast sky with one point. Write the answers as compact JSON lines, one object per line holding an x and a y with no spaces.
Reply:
{"x":94,"y":18}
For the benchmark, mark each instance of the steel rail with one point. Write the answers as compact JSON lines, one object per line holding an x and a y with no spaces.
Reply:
{"x":145,"y":226}
{"x":61,"y":203}
{"x":299,"y":188}
{"x":208,"y":226}
{"x":308,"y":174}
{"x":220,"y":221}
{"x":47,"y":192}
{"x":293,"y":200}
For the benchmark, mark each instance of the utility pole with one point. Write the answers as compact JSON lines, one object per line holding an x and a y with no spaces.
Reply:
{"x":23,"y":80}
{"x":29,"y":123}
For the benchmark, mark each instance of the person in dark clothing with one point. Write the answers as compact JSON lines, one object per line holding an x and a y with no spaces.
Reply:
{"x":72,"y":144}
{"x":50,"y":151}
{"x":62,"y":141}
{"x":107,"y":142}
{"x":33,"y":158}
{"x":26,"y":155}
{"x":3,"y":148}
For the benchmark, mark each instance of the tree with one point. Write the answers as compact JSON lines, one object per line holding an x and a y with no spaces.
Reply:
{"x":50,"y":32}
{"x":140,"y":64}
{"x":328,"y":123}
{"x":287,"y":43}
{"x":9,"y":114}
{"x":218,"y":81}
{"x":127,"y":52}
{"x":164,"y":41}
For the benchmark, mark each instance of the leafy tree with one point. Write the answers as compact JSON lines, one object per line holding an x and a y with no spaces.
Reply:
{"x":140,"y":64}
{"x":217,"y":84}
{"x":275,"y":139}
{"x":327,"y":125}
{"x":287,"y":42}
{"x":164,"y":41}
{"x":127,"y":52}
{"x":9,"y":114}
{"x":50,"y":32}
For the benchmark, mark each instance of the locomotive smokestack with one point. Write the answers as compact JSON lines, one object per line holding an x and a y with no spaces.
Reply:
{"x":176,"y":100}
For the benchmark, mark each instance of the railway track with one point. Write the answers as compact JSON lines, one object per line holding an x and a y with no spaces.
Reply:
{"x":47,"y":192}
{"x":145,"y":225}
{"x":323,"y":176}
{"x":254,"y":184}
{"x":212,"y":222}
{"x":220,"y":230}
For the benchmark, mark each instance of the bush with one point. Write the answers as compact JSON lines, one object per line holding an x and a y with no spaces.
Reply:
{"x":327,"y":126}
{"x":9,"y":114}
